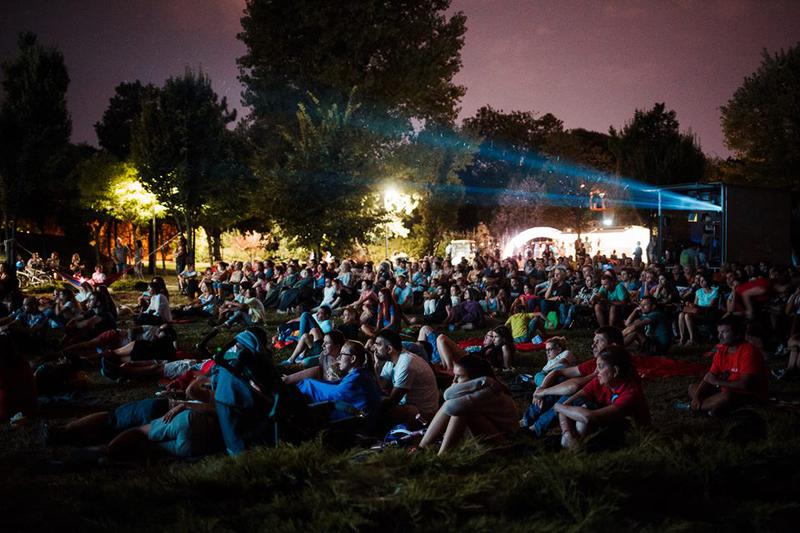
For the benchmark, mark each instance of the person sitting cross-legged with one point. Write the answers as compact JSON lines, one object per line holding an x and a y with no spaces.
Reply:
{"x":738,"y":374}
{"x":476,"y":401}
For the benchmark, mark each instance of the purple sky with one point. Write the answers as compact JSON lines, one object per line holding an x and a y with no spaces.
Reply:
{"x":590,"y":63}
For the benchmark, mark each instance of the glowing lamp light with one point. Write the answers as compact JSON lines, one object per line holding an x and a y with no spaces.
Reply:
{"x":608,"y":221}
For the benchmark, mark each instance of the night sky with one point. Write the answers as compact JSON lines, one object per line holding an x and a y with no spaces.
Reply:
{"x":590,"y":63}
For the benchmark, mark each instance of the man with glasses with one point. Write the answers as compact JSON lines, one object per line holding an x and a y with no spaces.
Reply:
{"x":357,"y":388}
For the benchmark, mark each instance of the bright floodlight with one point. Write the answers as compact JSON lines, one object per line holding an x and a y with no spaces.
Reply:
{"x":608,"y":221}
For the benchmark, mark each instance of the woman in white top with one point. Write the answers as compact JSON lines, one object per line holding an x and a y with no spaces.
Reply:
{"x":157,"y":311}
{"x":558,"y":356}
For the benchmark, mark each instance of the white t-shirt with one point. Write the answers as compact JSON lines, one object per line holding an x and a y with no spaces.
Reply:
{"x":416,"y":376}
{"x":562,"y":360}
{"x":159,"y":305}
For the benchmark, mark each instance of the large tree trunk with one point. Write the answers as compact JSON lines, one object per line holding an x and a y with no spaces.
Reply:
{"x":217,"y":247}
{"x":210,"y":244}
{"x":151,"y":247}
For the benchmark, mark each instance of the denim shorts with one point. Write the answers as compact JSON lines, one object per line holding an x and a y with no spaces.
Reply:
{"x":135,"y":414}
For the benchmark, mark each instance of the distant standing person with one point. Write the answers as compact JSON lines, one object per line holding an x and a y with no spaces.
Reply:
{"x":138,"y":258}
{"x":121,"y":252}
{"x":180,"y":255}
{"x":637,"y":254}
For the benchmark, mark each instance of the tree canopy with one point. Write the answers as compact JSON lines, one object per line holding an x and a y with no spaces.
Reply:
{"x":761,"y":122}
{"x":115,"y":128}
{"x":652,"y":149}
{"x":402,"y":56}
{"x":179,"y":146}
{"x":35,"y":125}
{"x":512,"y":150}
{"x":325,"y":195}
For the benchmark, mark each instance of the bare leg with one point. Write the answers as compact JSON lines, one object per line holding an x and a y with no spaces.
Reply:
{"x":612,"y":314}
{"x":454,"y":433}
{"x":133,"y":370}
{"x":132,"y":442}
{"x":682,"y":326}
{"x":87,"y":426}
{"x":448,"y":351}
{"x":84,"y":349}
{"x":368,"y":330}
{"x":424,"y":331}
{"x":600,"y":315}
{"x":303,"y":343}
{"x":687,"y":318}
{"x":569,"y":432}
{"x":436,"y":429}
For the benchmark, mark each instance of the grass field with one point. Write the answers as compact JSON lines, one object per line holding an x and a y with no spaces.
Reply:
{"x":688,"y":473}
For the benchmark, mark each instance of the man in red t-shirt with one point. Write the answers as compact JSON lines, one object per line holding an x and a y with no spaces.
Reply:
{"x":738,"y":373}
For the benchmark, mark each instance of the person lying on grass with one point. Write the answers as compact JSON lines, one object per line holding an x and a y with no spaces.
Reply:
{"x":128,"y":426}
{"x":357,"y":388}
{"x":612,"y":396}
{"x":562,"y":383}
{"x":476,"y":401}
{"x":113,"y":339}
{"x":161,"y":347}
{"x":407,"y":379}
{"x":738,"y":374}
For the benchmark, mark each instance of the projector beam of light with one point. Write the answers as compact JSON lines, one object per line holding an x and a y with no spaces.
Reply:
{"x":644,"y":200}
{"x":642,"y":196}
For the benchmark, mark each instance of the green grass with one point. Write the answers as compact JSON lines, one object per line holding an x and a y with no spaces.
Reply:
{"x":689,"y":473}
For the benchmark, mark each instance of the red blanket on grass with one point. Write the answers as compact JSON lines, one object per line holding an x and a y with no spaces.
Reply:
{"x":656,"y":366}
{"x":522,"y":346}
{"x":647,"y":366}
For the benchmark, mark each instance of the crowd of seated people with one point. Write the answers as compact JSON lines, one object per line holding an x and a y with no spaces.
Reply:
{"x":378,"y":342}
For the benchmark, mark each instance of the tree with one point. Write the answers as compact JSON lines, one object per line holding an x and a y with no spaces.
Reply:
{"x":111,"y":190}
{"x":324,"y":196}
{"x":652,"y":149}
{"x":34,"y":125}
{"x":519,"y":207}
{"x":579,"y":162}
{"x":401,"y":55}
{"x":115,"y":128}
{"x":761,"y":122}
{"x":430,"y":165}
{"x":179,"y":147}
{"x":511,"y":150}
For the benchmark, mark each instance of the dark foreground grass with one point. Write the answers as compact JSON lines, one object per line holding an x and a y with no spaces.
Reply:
{"x":689,"y":473}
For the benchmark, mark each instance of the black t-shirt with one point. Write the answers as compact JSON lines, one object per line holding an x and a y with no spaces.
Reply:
{"x":159,"y":348}
{"x":561,"y":290}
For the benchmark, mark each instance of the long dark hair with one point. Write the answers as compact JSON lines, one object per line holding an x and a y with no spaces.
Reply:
{"x":475,"y":367}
